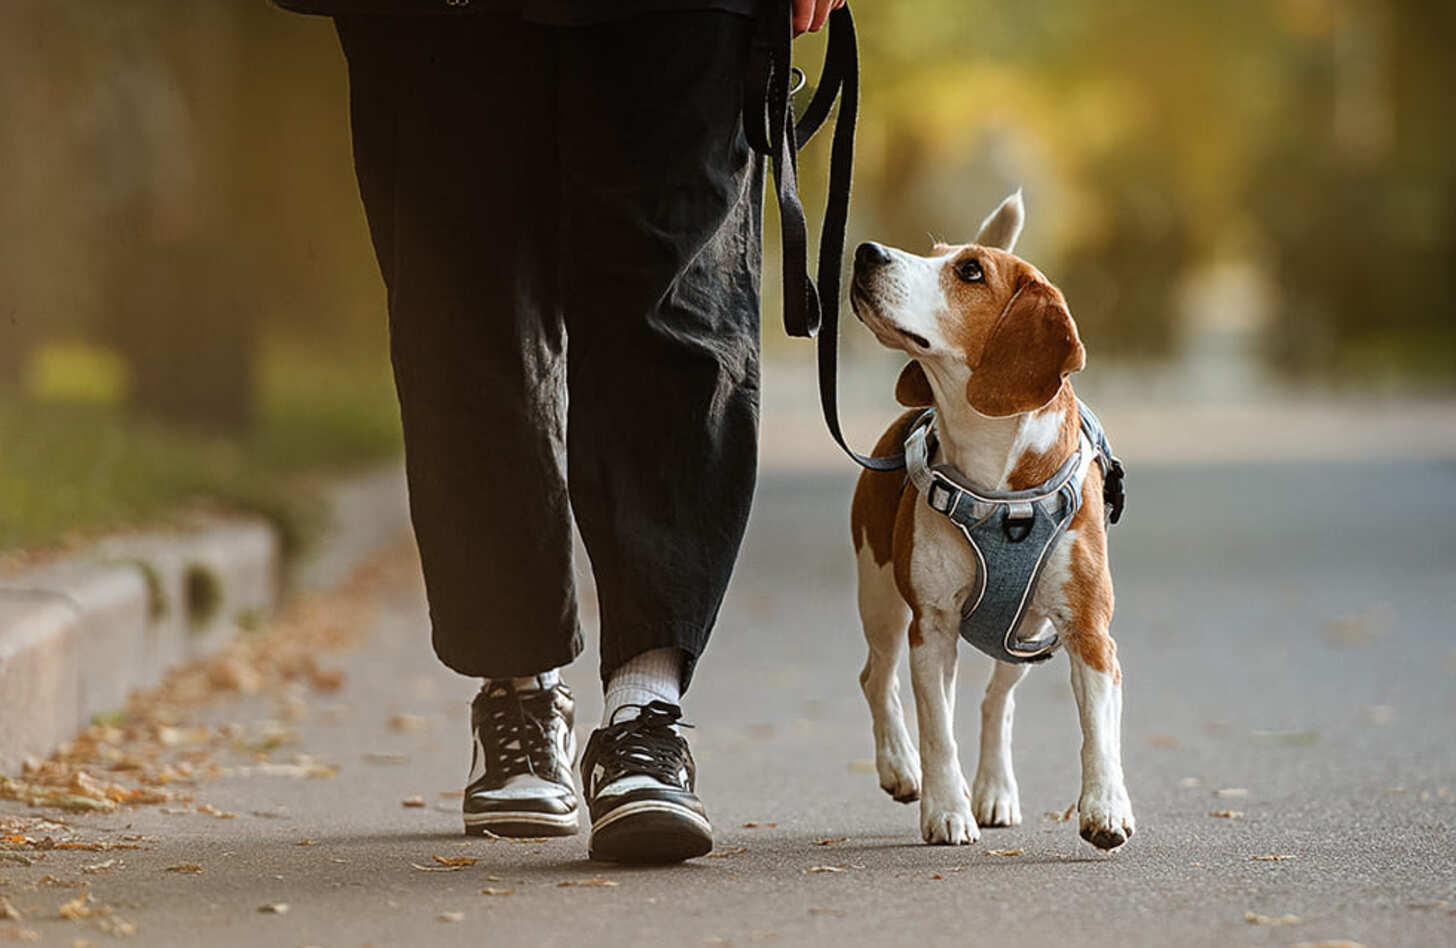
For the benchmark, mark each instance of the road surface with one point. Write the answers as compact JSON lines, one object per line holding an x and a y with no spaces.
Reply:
{"x":1285,"y":632}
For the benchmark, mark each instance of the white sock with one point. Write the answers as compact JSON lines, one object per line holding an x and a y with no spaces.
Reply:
{"x":651,"y":676}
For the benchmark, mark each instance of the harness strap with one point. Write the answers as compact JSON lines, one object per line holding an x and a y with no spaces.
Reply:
{"x":810,"y":307}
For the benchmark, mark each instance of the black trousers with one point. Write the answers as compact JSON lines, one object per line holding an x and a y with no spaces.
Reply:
{"x":568,"y":221}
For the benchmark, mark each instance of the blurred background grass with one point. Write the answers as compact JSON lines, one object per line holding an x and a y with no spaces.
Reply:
{"x":1237,"y":196}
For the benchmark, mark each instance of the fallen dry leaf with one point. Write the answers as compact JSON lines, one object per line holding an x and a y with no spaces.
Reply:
{"x":754,"y":824}
{"x":210,"y":810}
{"x":936,"y":875}
{"x":116,"y":927}
{"x":414,"y":801}
{"x":273,"y":908}
{"x":8,"y":911}
{"x":812,"y":869}
{"x":829,"y":841}
{"x":451,"y":916}
{"x":184,"y":867}
{"x":1227,"y":814}
{"x":99,"y":867}
{"x":377,"y":758}
{"x":490,"y":891}
{"x":1254,"y":918}
{"x":78,"y":908}
{"x":1230,"y":792}
{"x":305,"y":842}
{"x":593,"y":882}
{"x":1358,"y":630}
{"x":1003,"y":852}
{"x":1061,"y":817}
{"x":725,"y":853}
{"x":461,"y":861}
{"x":1272,"y":857}
{"x":408,"y":722}
{"x":415,"y":865}
{"x":55,"y":883}
{"x":1380,"y":714}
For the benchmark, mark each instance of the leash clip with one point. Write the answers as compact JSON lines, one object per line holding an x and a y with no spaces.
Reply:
{"x":799,"y":74}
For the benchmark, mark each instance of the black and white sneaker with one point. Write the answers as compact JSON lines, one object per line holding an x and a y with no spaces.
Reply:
{"x":520,"y":775}
{"x":638,"y":777}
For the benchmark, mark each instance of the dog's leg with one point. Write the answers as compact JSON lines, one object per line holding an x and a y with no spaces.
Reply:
{"x":885,"y":616}
{"x":945,"y":803}
{"x":994,"y":797}
{"x":1106,"y":819}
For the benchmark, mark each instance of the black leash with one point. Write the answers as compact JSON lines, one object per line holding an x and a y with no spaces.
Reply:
{"x":810,"y":307}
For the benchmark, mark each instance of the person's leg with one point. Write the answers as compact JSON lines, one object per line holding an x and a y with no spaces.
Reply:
{"x":453,"y":124}
{"x":662,"y":204}
{"x":662,"y":214}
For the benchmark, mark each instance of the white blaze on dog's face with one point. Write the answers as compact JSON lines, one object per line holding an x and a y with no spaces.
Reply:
{"x":977,"y":319}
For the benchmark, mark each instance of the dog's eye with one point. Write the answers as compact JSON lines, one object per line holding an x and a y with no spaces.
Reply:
{"x":970,"y":271}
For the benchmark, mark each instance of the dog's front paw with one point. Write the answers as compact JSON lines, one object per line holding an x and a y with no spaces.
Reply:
{"x":899,"y":771}
{"x":948,"y":825}
{"x":995,"y":801}
{"x":1106,"y":819}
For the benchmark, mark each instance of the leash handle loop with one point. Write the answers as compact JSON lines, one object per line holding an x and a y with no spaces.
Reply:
{"x":810,"y":307}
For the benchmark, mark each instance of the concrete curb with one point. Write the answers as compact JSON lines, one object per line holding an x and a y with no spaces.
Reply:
{"x":77,"y":635}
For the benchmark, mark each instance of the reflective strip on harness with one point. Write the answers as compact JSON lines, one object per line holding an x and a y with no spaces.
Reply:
{"x":1011,"y":533}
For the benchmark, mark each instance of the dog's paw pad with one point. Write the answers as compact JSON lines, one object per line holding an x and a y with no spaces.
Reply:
{"x":949,"y":828}
{"x":1106,"y":819}
{"x":996,"y":803}
{"x":899,"y":776}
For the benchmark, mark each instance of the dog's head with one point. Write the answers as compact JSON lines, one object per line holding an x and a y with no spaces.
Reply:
{"x":979,"y":319}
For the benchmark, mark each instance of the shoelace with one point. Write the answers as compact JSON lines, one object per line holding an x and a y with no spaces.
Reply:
{"x":647,"y":744}
{"x":511,"y":717}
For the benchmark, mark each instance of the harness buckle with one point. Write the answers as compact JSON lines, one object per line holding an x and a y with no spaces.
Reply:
{"x":940,"y":497}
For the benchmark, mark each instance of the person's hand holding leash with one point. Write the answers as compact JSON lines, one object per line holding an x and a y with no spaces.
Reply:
{"x":809,"y":15}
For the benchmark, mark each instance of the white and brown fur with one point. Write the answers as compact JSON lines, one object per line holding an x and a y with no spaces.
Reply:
{"x":993,"y":356}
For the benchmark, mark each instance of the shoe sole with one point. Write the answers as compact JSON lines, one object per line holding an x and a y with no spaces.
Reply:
{"x":520,"y":823}
{"x":650,"y":831}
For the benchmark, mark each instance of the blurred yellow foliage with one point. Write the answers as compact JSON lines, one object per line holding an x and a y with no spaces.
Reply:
{"x":77,"y":372}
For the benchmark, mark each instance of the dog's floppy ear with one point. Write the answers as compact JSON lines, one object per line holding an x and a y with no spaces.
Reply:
{"x":912,"y":388}
{"x":1001,"y":229}
{"x":1031,"y":349}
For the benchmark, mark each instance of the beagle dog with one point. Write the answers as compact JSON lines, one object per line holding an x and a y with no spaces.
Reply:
{"x":992,"y":345}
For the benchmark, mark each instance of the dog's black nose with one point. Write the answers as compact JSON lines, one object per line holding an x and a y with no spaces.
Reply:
{"x":870,"y":254}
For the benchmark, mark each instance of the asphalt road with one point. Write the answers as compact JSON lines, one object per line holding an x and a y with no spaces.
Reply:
{"x":1285,"y":630}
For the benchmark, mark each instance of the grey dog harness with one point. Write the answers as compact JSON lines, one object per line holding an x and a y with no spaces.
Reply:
{"x":1011,"y":533}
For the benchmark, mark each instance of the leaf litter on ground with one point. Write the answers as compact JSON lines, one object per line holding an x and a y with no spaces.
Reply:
{"x":155,"y":744}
